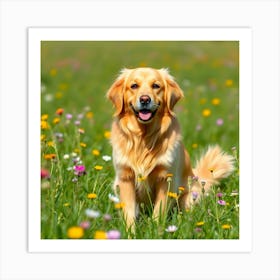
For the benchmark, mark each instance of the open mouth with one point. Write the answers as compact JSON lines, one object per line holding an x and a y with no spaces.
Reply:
{"x":144,"y":115}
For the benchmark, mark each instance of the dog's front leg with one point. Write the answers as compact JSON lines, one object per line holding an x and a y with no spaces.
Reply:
{"x":160,"y":200}
{"x":128,"y":197}
{"x":159,"y":177}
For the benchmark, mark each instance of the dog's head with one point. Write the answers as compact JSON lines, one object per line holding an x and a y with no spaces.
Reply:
{"x":144,"y":93}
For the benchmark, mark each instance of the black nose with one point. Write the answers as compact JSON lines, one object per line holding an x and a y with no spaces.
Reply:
{"x":145,"y":99}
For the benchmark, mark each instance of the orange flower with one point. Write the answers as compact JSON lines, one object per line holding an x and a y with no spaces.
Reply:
{"x":49,"y":156}
{"x":59,"y":111}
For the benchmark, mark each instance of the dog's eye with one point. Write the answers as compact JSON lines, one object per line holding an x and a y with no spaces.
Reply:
{"x":134,"y":86}
{"x":155,"y":86}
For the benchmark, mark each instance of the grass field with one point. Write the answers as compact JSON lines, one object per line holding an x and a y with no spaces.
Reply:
{"x":76,"y":166}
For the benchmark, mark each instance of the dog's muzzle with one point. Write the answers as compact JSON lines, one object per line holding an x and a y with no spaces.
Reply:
{"x":145,"y":108}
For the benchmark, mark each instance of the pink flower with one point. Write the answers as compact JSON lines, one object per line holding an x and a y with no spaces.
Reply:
{"x":219,"y":122}
{"x":221,"y":202}
{"x":219,"y":195}
{"x":79,"y":170}
{"x":45,"y":174}
{"x":113,"y":234}
{"x":85,"y":224}
{"x":68,"y":116}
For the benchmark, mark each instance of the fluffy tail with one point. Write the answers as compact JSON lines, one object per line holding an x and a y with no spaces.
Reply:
{"x":213,"y":166}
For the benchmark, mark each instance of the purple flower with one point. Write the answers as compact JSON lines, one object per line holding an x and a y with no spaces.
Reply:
{"x":68,"y":116}
{"x":194,"y":195}
{"x":221,"y":202}
{"x":219,"y":195}
{"x":219,"y":122}
{"x":113,"y":234}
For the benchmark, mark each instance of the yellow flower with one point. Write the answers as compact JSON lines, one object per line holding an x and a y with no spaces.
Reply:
{"x":200,"y":223}
{"x":77,"y":151}
{"x":229,"y":83}
{"x":91,"y":195}
{"x":100,"y":234}
{"x":63,"y":86}
{"x":58,"y":95}
{"x":44,"y":125}
{"x":75,"y":232}
{"x":43,"y":137}
{"x":67,"y":204}
{"x":226,"y":226}
{"x":50,"y":144}
{"x":206,"y":112}
{"x":181,"y":189}
{"x":119,"y":205}
{"x":141,"y":178}
{"x":202,"y":101}
{"x":172,"y":194}
{"x":95,"y":152}
{"x":107,"y":134}
{"x":89,"y":115}
{"x":83,"y":144}
{"x":56,"y":120}
{"x":216,"y":101}
{"x":194,"y":145}
{"x":44,"y":117}
{"x":53,"y":72}
{"x":98,"y":167}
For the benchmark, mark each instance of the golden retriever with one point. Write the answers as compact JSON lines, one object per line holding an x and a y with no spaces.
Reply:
{"x":148,"y":154}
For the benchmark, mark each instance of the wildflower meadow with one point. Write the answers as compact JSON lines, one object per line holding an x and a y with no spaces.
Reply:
{"x":77,"y":200}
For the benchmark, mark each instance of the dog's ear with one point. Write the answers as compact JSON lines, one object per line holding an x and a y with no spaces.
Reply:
{"x":116,"y":92}
{"x":172,"y":90}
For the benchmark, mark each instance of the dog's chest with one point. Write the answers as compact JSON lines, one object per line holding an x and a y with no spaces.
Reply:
{"x":143,"y":160}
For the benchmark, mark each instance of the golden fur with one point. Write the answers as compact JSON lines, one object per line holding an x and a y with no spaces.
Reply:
{"x":147,"y":144}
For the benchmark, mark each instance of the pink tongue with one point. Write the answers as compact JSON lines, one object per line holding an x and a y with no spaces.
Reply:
{"x":145,"y":115}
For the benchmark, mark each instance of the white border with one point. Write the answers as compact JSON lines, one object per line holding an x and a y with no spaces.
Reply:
{"x":262,"y":16}
{"x":243,"y":35}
